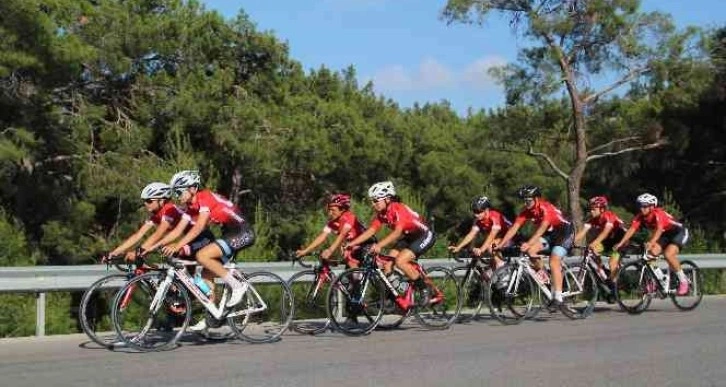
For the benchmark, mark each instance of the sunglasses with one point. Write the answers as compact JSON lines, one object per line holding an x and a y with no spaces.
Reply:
{"x":148,"y":201}
{"x":377,"y":200}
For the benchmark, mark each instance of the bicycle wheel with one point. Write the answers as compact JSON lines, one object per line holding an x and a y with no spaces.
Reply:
{"x":473,"y":292}
{"x":690,"y":300}
{"x":147,"y":321}
{"x":309,"y":292}
{"x":634,"y":284}
{"x":94,"y":314}
{"x":444,"y":304}
{"x":579,"y":291}
{"x":355,"y":302}
{"x":513,"y":306}
{"x":266,"y":309}
{"x":393,"y":316}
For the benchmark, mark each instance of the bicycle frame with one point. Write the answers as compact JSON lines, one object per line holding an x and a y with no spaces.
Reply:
{"x":647,"y":262}
{"x":523,"y":265}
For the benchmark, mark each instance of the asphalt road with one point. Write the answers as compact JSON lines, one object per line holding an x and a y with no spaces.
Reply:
{"x":662,"y":347}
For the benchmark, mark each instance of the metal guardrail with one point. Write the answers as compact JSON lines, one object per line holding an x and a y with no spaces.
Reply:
{"x":42,"y":279}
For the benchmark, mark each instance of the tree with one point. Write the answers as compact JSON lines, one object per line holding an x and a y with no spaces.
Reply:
{"x":589,"y":49}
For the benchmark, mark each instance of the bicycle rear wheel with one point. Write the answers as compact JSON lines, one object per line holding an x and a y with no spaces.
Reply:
{"x":309,"y":292}
{"x":635,"y":284}
{"x":94,"y":314}
{"x":266,"y":309}
{"x":690,"y":300}
{"x":147,"y":321}
{"x":444,"y":305}
{"x":473,"y":292}
{"x":579,"y":291}
{"x":513,"y":306}
{"x":355,"y":302}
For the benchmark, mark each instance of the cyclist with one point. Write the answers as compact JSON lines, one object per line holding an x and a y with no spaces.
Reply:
{"x":552,"y":229}
{"x":412,"y":237}
{"x":668,"y":236}
{"x":610,"y":229}
{"x":344,"y":224}
{"x":156,"y":197}
{"x":204,"y":207}
{"x":487,"y":219}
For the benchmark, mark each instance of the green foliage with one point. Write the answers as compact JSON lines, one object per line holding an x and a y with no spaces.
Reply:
{"x":14,"y":250}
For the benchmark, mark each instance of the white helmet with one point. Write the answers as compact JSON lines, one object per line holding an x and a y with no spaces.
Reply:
{"x":185,"y":179}
{"x":156,"y":190}
{"x":380,"y":190}
{"x":647,"y":199}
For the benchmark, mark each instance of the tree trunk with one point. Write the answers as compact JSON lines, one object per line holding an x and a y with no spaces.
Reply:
{"x":574,"y":181}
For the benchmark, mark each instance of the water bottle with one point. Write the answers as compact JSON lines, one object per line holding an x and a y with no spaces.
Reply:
{"x":659,"y":274}
{"x":398,"y":282}
{"x":202,"y":285}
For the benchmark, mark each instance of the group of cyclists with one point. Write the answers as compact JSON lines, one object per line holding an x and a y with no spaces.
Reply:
{"x":182,"y":229}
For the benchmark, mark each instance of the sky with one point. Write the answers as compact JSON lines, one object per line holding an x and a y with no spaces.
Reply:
{"x":404,"y":47}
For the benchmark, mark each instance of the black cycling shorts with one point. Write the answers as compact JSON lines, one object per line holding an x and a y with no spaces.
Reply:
{"x":235,"y":238}
{"x":676,"y":236}
{"x":418,"y":243}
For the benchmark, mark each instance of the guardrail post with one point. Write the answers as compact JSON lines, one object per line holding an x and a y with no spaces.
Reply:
{"x":40,"y":314}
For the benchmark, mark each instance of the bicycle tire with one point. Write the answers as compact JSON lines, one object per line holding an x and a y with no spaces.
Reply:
{"x":160,"y":330}
{"x":440,"y":315}
{"x":473,"y":293}
{"x":631,"y":282}
{"x":267,"y":325}
{"x":95,"y":313}
{"x":694,"y":296}
{"x":514,"y":307}
{"x":310,"y":302}
{"x":571,"y":307}
{"x":345,"y":300}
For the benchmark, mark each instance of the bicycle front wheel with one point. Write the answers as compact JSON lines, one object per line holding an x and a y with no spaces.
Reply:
{"x":355,"y":302}
{"x":473,"y":292}
{"x":690,"y":300}
{"x":309,"y":291}
{"x":266,"y":309}
{"x":146,"y":320}
{"x":94,"y":313}
{"x":444,"y":303}
{"x":635,"y":284}
{"x":579,"y":291}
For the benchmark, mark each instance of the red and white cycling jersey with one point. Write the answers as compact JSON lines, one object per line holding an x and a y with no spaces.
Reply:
{"x":543,"y":210}
{"x":221,"y":210}
{"x":657,"y":218}
{"x":348,"y":221}
{"x":398,"y":214}
{"x":606,"y":218}
{"x":495,"y":221}
{"x":168,"y":212}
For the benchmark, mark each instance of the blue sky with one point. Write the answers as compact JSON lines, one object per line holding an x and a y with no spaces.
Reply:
{"x":408,"y":52}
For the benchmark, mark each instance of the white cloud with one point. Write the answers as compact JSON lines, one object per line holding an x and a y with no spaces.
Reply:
{"x":433,"y":75}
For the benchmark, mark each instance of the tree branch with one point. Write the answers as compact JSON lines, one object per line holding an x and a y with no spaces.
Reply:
{"x":613,"y":142}
{"x":549,"y":160}
{"x":627,"y":78}
{"x":652,"y":145}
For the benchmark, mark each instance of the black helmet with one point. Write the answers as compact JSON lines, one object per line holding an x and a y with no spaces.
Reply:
{"x":480,"y":204}
{"x":529,"y":191}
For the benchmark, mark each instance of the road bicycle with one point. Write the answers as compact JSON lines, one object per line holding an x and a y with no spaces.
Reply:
{"x":310,"y":289}
{"x":517,"y":292}
{"x":359,"y":299}
{"x":140,"y":312}
{"x":94,"y":315}
{"x":474,"y":277}
{"x":592,"y":262}
{"x":639,"y":281}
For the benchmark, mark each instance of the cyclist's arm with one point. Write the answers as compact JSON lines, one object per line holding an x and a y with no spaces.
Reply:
{"x":172,"y":235}
{"x":132,"y":240}
{"x":392,"y":237}
{"x":603,"y":234}
{"x":340,"y":238}
{"x":628,"y":234}
{"x":467,"y":239}
{"x":163,"y":227}
{"x":581,"y":234}
{"x":655,"y":236}
{"x":508,"y":236}
{"x":370,"y":232}
{"x":199,"y":226}
{"x":313,"y":245}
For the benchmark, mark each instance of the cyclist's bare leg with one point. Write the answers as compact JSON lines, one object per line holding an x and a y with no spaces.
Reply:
{"x":614,"y":265}
{"x":388,"y":266}
{"x":671,"y":255}
{"x":556,"y":270}
{"x":210,"y":257}
{"x":497,"y":258}
{"x":533,"y":251}
{"x":402,"y":262}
